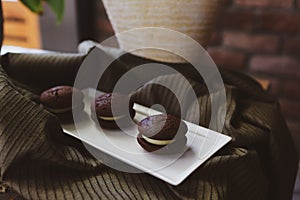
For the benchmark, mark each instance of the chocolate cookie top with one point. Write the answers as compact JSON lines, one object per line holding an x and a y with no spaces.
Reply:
{"x":162,"y":127}
{"x":103,"y":105}
{"x":60,"y":97}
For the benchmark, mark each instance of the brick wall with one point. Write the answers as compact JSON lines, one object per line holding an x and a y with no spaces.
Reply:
{"x":261,"y":38}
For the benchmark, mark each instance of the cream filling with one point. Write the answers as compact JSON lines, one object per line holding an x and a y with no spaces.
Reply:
{"x":157,"y":142}
{"x":58,"y":111}
{"x":111,"y":118}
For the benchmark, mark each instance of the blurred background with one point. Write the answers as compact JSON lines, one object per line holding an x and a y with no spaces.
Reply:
{"x":258,"y":37}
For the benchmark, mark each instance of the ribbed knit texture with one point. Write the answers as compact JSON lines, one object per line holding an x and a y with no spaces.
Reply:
{"x":40,"y":162}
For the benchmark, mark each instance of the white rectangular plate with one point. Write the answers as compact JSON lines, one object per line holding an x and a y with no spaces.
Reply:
{"x":202,"y":144}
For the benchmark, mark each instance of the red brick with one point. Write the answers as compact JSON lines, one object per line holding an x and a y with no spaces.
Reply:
{"x":292,"y":46}
{"x":290,"y":108}
{"x":216,"y":39}
{"x":226,"y":2}
{"x":275,"y":87}
{"x":227,"y":59}
{"x":239,"y":19}
{"x":251,"y":43}
{"x":291,"y":89}
{"x":285,"y":66}
{"x":283,"y":22}
{"x":265,"y":3}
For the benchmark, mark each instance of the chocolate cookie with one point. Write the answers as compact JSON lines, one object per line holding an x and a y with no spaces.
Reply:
{"x":58,"y":100}
{"x":112,"y":110}
{"x":164,"y":132}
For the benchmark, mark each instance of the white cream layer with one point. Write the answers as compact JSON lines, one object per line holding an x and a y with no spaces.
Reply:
{"x":111,"y":118}
{"x":157,"y":142}
{"x":58,"y":111}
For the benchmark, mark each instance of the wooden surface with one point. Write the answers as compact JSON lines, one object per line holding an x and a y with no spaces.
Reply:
{"x":21,"y":26}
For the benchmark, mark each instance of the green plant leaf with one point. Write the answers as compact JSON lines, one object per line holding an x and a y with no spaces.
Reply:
{"x":34,"y":5}
{"x":58,"y":7}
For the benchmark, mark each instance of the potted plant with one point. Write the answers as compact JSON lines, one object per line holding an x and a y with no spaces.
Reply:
{"x":36,"y":6}
{"x":194,"y":18}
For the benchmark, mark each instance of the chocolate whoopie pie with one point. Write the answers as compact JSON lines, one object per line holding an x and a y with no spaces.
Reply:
{"x":58,"y":100}
{"x":163,"y":132}
{"x":112,"y":110}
